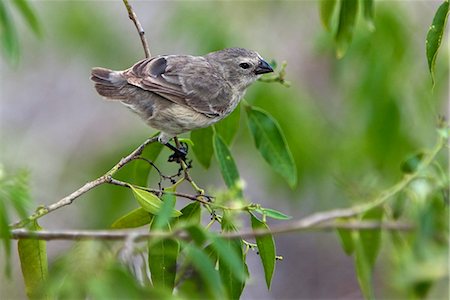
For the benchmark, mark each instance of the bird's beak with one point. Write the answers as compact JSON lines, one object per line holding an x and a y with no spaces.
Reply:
{"x":263,"y":68}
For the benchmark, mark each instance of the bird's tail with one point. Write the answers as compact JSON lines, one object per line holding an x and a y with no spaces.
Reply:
{"x":109,"y":84}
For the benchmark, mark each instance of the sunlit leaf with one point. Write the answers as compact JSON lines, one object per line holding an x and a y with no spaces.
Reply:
{"x":149,"y":202}
{"x":226,"y":162}
{"x":266,"y":249}
{"x":203,"y":146}
{"x":33,"y":261}
{"x":29,"y":15}
{"x":270,"y":142}
{"x":135,"y":218}
{"x":228,"y":127}
{"x":435,"y":34}
{"x":326,"y":12}
{"x":347,"y":19}
{"x":207,"y":271}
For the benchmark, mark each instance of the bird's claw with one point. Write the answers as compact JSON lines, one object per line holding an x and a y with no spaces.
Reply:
{"x":179,"y":154}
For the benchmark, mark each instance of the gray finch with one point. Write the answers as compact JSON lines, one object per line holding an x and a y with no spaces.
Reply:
{"x":179,"y":93}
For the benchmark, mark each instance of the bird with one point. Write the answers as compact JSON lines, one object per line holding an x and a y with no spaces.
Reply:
{"x":179,"y":93}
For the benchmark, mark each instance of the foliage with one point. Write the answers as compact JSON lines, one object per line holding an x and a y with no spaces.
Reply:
{"x":8,"y":33}
{"x":186,"y":258}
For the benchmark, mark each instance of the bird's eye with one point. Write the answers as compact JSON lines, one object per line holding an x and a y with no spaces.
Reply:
{"x":244,"y":65}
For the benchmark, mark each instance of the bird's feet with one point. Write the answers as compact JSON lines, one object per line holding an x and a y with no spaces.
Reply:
{"x":179,"y":154}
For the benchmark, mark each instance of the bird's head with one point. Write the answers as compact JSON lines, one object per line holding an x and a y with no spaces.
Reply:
{"x":240,"y":67}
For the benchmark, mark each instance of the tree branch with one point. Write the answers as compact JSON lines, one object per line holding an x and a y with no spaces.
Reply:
{"x":141,"y":32}
{"x":141,"y":235}
{"x":107,"y":177}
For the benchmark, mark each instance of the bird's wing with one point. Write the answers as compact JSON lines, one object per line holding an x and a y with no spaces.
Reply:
{"x":185,"y":80}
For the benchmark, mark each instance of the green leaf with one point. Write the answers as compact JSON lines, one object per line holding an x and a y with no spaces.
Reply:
{"x":270,"y":142}
{"x":29,"y":15}
{"x":230,"y":256}
{"x":228,"y":127}
{"x":149,"y":202}
{"x":203,"y":147}
{"x":142,"y":169}
{"x":434,"y":36}
{"x":272,"y":213}
{"x":266,"y":248}
{"x":226,"y":162}
{"x":135,"y":218}
{"x":346,"y":24}
{"x":162,"y":262}
{"x":368,"y":12}
{"x":235,"y":272}
{"x":191,"y":213}
{"x":207,"y":270}
{"x":363,"y":269}
{"x":367,"y":247}
{"x":33,"y":261}
{"x":345,"y":237}
{"x":326,"y":12}
{"x":167,"y":210}
{"x":8,"y":35}
{"x":5,"y":237}
{"x":371,"y":239}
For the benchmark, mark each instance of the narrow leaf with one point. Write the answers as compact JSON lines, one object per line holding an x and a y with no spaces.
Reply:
{"x":229,"y":257}
{"x":345,"y":237}
{"x":29,"y":15}
{"x":149,"y":202}
{"x":162,"y":262}
{"x":368,"y":12}
{"x":266,"y":248}
{"x":272,"y":213}
{"x":207,"y":270}
{"x":203,"y":146}
{"x":346,"y":24}
{"x":363,"y":269}
{"x":167,"y":210}
{"x":33,"y":261}
{"x":434,"y":36}
{"x":5,"y":237}
{"x":270,"y":142}
{"x":226,"y":162}
{"x":8,"y":35}
{"x":326,"y":12}
{"x":233,"y":269}
{"x":228,"y":127}
{"x":135,"y":218}
{"x":371,"y":239}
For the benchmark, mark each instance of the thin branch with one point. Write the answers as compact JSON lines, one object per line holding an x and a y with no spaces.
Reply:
{"x":107,"y":177}
{"x":134,"y":18}
{"x":141,"y":235}
{"x":157,"y":192}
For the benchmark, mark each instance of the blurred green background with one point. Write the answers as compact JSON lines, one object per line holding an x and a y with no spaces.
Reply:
{"x":349,"y":122}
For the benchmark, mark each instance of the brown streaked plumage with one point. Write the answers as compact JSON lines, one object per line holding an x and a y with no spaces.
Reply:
{"x":179,"y":93}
